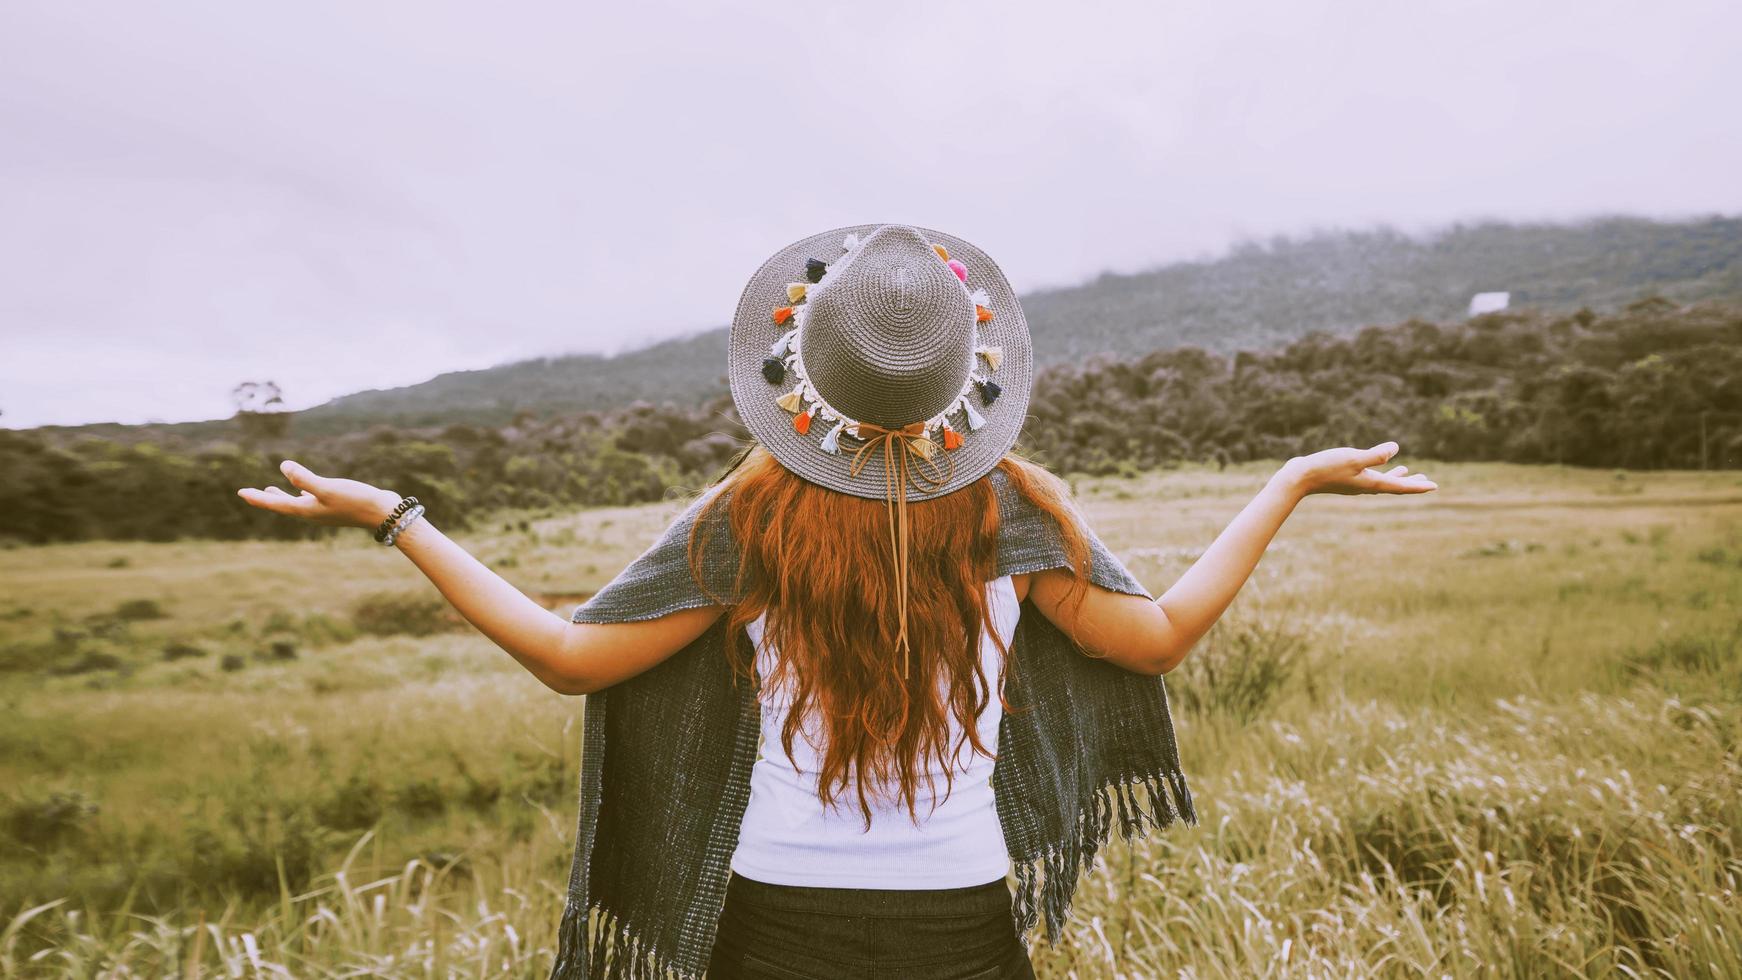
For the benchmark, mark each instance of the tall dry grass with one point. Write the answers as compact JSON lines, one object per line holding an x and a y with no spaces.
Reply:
{"x":1496,"y":732}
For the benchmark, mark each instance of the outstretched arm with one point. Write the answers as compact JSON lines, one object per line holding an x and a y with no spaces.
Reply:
{"x":572,"y":658}
{"x":1154,"y":637}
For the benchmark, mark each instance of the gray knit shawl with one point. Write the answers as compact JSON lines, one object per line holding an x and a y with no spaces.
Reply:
{"x":666,"y":759}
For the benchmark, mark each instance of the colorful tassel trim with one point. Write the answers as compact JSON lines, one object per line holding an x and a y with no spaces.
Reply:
{"x":939,"y":435}
{"x":832,"y":441}
{"x":975,"y":419}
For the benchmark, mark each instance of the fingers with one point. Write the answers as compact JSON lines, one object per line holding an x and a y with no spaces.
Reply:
{"x":1413,"y":483}
{"x":301,"y":476}
{"x":1378,"y":454}
{"x":279,"y":502}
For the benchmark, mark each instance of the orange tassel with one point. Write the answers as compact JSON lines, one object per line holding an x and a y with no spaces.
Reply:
{"x":783,"y":314}
{"x":943,"y":253}
{"x":952,"y":438}
{"x":982,"y":314}
{"x":802,"y":423}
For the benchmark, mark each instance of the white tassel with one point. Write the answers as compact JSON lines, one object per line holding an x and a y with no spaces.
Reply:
{"x":980,"y":298}
{"x":851,"y":242}
{"x":780,"y":345}
{"x":832,"y":441}
{"x":975,"y":419}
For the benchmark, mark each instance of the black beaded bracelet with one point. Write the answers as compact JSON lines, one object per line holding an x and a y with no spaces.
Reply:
{"x":405,"y":504}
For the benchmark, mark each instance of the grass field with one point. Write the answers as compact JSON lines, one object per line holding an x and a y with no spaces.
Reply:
{"x":1496,"y":730}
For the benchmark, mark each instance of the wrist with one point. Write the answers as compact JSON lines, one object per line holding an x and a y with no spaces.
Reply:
{"x":1291,"y":479}
{"x":407,"y":514}
{"x":379,"y":509}
{"x":408,"y":530}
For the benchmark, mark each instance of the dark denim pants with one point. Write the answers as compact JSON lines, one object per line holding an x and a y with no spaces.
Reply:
{"x":786,"y":932}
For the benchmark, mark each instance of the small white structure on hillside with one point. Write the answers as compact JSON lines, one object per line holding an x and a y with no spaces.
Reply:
{"x":1488,"y":303}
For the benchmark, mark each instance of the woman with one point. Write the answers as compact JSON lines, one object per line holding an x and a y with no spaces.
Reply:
{"x":879,"y":579}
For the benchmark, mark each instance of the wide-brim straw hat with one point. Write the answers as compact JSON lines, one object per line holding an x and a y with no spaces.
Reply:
{"x":846,"y":334}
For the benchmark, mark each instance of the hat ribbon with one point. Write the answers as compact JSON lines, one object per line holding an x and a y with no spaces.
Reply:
{"x":895,"y":496}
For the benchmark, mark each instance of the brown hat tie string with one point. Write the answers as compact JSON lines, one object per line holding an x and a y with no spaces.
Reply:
{"x":934,"y":469}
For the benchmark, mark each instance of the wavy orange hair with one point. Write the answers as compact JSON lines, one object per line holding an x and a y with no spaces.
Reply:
{"x":818,"y":562}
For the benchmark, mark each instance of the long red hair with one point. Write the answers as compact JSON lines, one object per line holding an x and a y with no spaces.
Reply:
{"x":818,"y":562}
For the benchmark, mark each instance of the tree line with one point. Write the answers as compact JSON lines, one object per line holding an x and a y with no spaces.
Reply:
{"x":1653,"y":385}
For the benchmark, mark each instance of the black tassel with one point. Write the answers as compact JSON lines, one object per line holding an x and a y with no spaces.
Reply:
{"x":989,"y":391}
{"x":774,"y":369}
{"x":571,"y":959}
{"x":814,"y":268}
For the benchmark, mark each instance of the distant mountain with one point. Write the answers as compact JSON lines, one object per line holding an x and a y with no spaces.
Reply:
{"x":1259,"y":296}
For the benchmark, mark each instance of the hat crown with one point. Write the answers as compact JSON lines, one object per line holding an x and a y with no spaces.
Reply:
{"x":889,"y":338}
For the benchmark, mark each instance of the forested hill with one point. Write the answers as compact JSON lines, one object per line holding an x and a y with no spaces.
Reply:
{"x":1258,"y":297}
{"x":1653,"y":386}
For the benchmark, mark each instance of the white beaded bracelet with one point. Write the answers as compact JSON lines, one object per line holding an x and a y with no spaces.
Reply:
{"x":403,"y":523}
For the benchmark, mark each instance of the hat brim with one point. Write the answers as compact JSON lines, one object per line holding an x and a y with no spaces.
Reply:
{"x":754,"y":332}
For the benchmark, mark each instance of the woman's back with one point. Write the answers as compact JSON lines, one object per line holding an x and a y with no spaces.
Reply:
{"x":789,"y":837}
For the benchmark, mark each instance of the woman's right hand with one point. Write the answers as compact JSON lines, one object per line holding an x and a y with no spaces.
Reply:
{"x":1350,"y":471}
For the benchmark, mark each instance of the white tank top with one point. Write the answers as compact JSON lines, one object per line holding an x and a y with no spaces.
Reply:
{"x":789,"y":838}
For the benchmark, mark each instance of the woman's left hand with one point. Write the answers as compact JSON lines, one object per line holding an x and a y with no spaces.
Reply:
{"x":324,"y":500}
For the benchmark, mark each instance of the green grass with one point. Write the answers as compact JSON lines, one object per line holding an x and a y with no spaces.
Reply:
{"x":1492,"y":731}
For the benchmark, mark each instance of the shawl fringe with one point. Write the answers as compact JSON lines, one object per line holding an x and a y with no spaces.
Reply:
{"x":1045,"y":885}
{"x":1164,"y":799}
{"x":616,"y":950}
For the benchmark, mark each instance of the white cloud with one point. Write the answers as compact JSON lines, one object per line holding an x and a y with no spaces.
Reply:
{"x":342,"y":196}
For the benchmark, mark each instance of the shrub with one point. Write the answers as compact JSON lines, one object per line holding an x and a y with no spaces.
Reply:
{"x":232,"y":662}
{"x":402,"y":613}
{"x":319,"y":629}
{"x":246,"y":858}
{"x":90,"y":661}
{"x":422,"y":798}
{"x":135,"y":610}
{"x":315,"y":629}
{"x":182,"y":651}
{"x":1720,"y":557}
{"x":1697,"y":654}
{"x":279,"y":650}
{"x":354,"y":805}
{"x":42,"y":824}
{"x":1237,"y":669}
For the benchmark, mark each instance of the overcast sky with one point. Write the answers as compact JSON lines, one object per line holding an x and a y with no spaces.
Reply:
{"x":341,"y":196}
